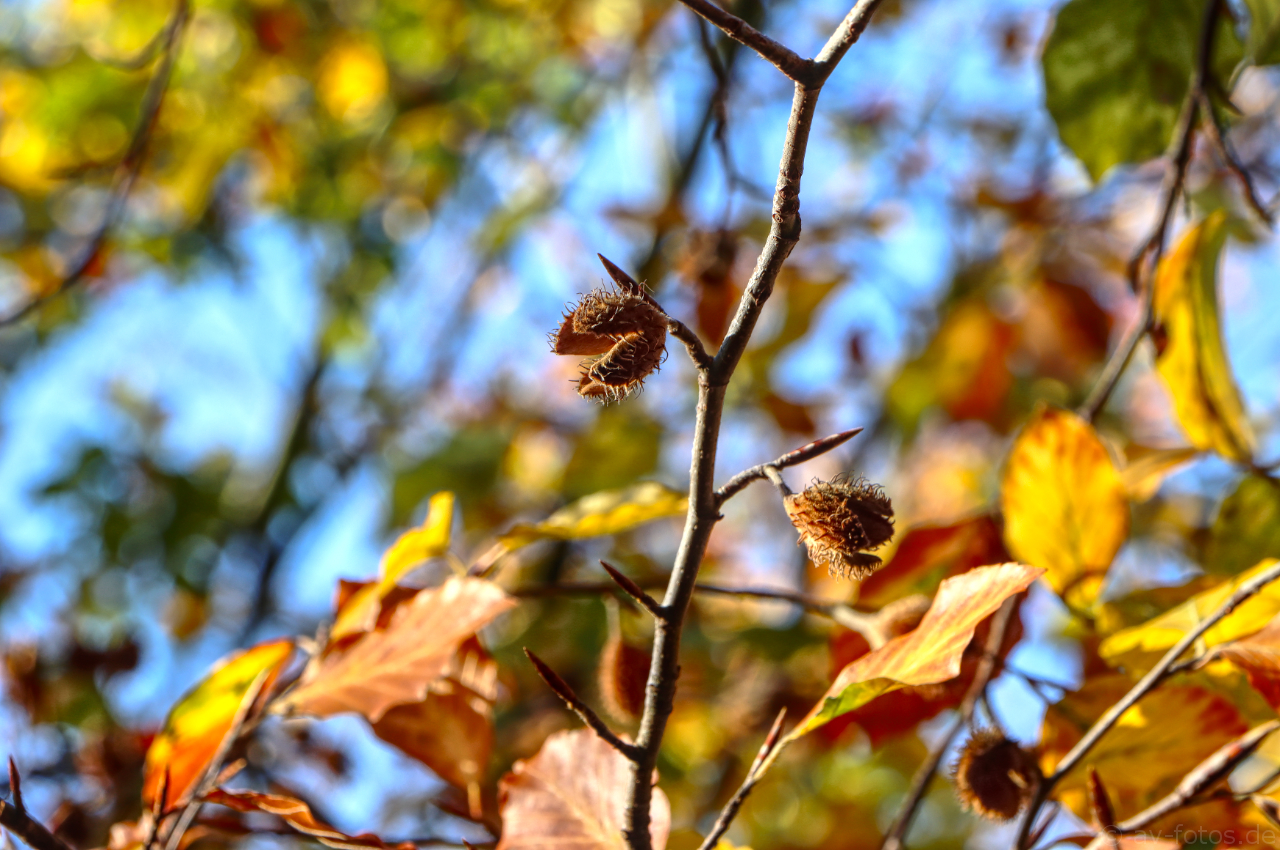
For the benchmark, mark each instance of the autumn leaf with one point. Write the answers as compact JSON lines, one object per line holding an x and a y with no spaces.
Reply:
{"x":1247,"y":527}
{"x":1139,"y":646}
{"x":1191,"y":358}
{"x":600,"y":514}
{"x":451,"y":731}
{"x":298,"y":815}
{"x":1154,"y":744}
{"x":429,"y":540}
{"x":1065,"y":508}
{"x":927,"y":554}
{"x":1143,"y":475}
{"x":1259,"y":657}
{"x":929,"y":654}
{"x":573,"y":794}
{"x":396,"y":665}
{"x":198,"y":723}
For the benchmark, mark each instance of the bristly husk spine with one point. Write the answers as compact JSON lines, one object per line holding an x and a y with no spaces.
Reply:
{"x":839,"y":521}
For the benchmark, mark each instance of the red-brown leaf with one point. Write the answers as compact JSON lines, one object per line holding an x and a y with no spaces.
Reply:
{"x":298,"y":815}
{"x":572,"y":794}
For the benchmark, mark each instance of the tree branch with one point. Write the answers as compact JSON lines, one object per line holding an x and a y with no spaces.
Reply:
{"x":580,"y":708}
{"x":14,"y":817}
{"x":895,"y":837}
{"x":1144,"y":686}
{"x":635,"y":591}
{"x":805,"y":453}
{"x":780,"y":56}
{"x":127,"y":171}
{"x":703,"y":512}
{"x":754,"y":774}
{"x":1218,"y":138}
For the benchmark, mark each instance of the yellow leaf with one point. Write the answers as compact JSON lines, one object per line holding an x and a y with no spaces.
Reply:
{"x":1155,"y":743}
{"x":1143,"y":475}
{"x":1138,"y":646}
{"x":196,"y":726}
{"x":929,"y":654}
{"x":1065,"y":508}
{"x":600,"y":514}
{"x":429,"y":540}
{"x":1192,"y":360}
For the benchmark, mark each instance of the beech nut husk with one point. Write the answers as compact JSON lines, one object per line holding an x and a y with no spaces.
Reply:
{"x":839,"y":521}
{"x":623,"y":336}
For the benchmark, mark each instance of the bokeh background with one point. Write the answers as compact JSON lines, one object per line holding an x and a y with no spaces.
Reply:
{"x":327,"y":299}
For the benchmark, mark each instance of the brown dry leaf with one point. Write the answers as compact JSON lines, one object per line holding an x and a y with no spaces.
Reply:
{"x":932,"y":652}
{"x":197,"y":724}
{"x":397,"y":665}
{"x":572,"y":794}
{"x":1065,"y":506}
{"x":298,"y":815}
{"x":1259,"y":657}
{"x":1191,"y":357}
{"x":451,"y":731}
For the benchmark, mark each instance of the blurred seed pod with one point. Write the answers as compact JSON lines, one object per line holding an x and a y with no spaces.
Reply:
{"x":623,"y":335}
{"x":995,"y":776}
{"x":623,"y":672}
{"x":839,"y":520}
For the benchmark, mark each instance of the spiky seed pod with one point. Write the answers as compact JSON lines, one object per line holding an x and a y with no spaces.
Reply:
{"x":622,"y":334}
{"x":623,"y":673}
{"x":995,"y":776}
{"x":839,"y":520}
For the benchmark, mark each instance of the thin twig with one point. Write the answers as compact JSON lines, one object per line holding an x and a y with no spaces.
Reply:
{"x":1218,"y":138}
{"x":780,"y":56}
{"x":704,"y":506}
{"x":634,"y":591}
{"x":754,"y":774}
{"x":697,"y":352}
{"x":805,"y":453}
{"x":1143,"y":265}
{"x":15,"y":818}
{"x":1147,"y":684}
{"x":126,"y":172}
{"x":580,"y":708}
{"x":896,"y":836}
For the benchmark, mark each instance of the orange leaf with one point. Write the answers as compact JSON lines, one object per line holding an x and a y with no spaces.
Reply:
{"x":197,"y":724}
{"x":297,"y":814}
{"x":1259,"y":657}
{"x":929,"y":654}
{"x":928,"y":554}
{"x":451,"y":731}
{"x":397,"y":665}
{"x":573,"y":794}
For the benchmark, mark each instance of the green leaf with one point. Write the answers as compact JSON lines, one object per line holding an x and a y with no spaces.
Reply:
{"x":1116,"y":75}
{"x":1262,"y":47}
{"x":600,"y":514}
{"x":1247,"y":528}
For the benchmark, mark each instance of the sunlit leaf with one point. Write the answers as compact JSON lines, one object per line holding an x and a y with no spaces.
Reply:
{"x":1116,"y":74}
{"x":396,"y":665}
{"x":198,"y":723}
{"x":1065,"y":507}
{"x":929,"y":654}
{"x":1190,"y":357}
{"x":429,"y":540}
{"x":1143,"y":476}
{"x":573,"y":794}
{"x":1263,"y":44}
{"x":600,"y":514}
{"x":298,"y":815}
{"x":1247,"y":527}
{"x":1139,"y":645}
{"x":1258,"y":655}
{"x":1153,"y":745}
{"x":451,"y":731}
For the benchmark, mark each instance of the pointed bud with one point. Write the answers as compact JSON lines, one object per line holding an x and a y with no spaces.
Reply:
{"x":995,"y":776}
{"x":623,"y":335}
{"x":839,"y":520}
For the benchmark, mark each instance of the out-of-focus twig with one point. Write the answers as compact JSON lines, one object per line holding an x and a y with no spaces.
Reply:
{"x":754,"y":774}
{"x":15,"y":818}
{"x":127,"y":171}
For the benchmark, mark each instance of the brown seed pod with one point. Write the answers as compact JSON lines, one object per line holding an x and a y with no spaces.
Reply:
{"x":995,"y":776}
{"x":623,"y":335}
{"x":839,"y":520}
{"x":624,"y":672}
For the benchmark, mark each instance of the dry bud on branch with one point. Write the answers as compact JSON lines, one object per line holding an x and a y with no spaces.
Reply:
{"x":995,"y":776}
{"x":839,"y":520}
{"x":623,"y":335}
